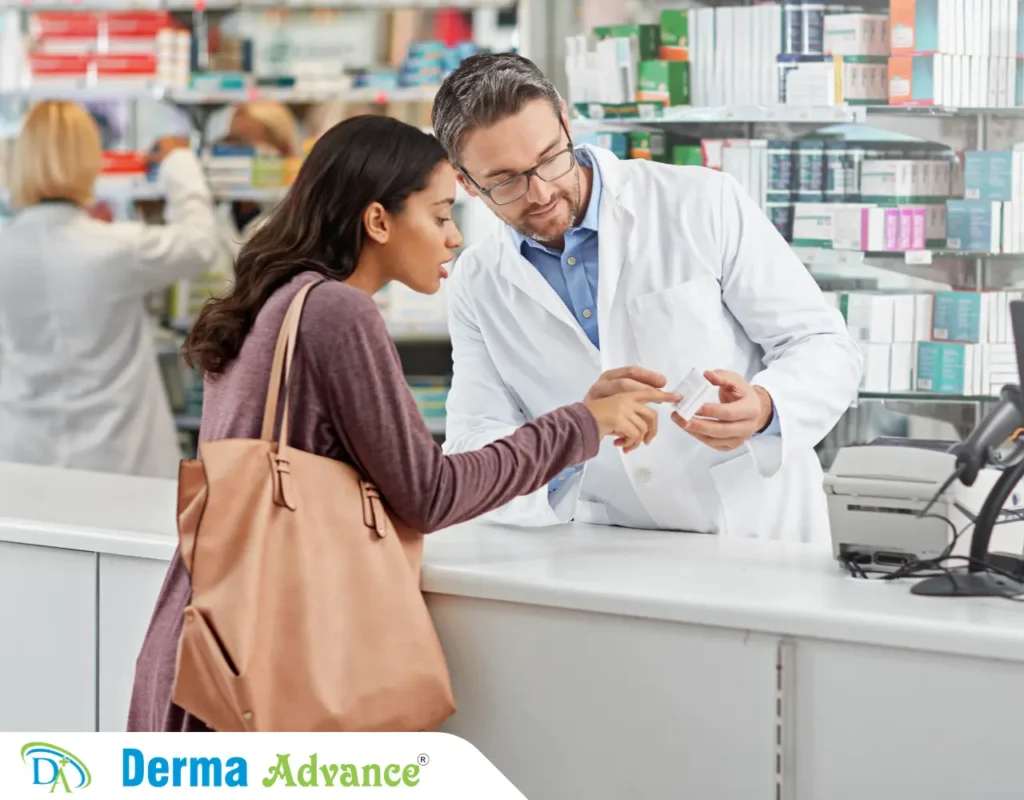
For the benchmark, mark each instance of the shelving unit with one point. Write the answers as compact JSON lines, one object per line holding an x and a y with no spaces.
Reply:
{"x":234,"y":5}
{"x":192,"y":97}
{"x":423,"y":347}
{"x":875,"y":413}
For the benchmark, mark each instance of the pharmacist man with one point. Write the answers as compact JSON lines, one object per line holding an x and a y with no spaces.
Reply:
{"x":603,"y":265}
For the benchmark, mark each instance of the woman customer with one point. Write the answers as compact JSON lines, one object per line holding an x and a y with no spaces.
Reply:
{"x":80,"y":386}
{"x":371,"y":204}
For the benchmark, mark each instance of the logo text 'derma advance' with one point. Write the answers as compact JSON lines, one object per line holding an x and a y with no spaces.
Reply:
{"x":139,"y":769}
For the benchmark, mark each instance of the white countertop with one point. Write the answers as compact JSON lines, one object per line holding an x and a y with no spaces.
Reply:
{"x":97,"y":512}
{"x":784,"y":589}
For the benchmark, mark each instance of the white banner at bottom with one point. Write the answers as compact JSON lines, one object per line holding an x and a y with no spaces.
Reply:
{"x":431,"y":766}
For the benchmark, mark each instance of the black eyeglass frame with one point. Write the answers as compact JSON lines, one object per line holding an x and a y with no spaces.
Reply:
{"x":530,"y":173}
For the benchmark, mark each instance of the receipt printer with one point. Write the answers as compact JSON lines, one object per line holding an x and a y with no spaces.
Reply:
{"x":876,"y":491}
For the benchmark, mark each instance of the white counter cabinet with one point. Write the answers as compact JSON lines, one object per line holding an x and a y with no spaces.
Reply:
{"x":578,"y":704}
{"x":127,"y":594}
{"x":48,"y":619}
{"x":587,"y":661}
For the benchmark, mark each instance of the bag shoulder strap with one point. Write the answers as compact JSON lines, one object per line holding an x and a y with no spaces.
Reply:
{"x":280,"y":370}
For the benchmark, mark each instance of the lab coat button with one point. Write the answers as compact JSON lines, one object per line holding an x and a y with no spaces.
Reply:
{"x":642,"y":475}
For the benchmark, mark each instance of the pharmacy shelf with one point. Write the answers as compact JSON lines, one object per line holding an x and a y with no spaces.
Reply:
{"x":192,"y":97}
{"x":187,"y":423}
{"x":820,"y":257}
{"x":254,"y":195}
{"x":264,"y":195}
{"x":231,"y":5}
{"x":436,"y":425}
{"x":925,"y":397}
{"x":596,"y":117}
{"x":418,"y":332}
{"x":811,"y":115}
{"x":947,"y":111}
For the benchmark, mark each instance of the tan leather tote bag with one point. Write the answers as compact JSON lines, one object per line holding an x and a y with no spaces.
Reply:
{"x":306,"y":611}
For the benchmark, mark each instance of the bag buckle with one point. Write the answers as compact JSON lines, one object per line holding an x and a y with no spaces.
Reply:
{"x":281,"y":476}
{"x":373,"y":509}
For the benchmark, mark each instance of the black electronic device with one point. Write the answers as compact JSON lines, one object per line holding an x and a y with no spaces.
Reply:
{"x":990,"y":574}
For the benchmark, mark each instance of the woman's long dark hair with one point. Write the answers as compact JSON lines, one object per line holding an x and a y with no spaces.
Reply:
{"x":317,"y":226}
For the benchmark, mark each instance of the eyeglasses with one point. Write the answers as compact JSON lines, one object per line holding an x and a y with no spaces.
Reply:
{"x":551,"y":169}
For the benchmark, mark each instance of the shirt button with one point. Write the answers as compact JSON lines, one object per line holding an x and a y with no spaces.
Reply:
{"x":586,"y":313}
{"x":571,"y":260}
{"x":642,"y":475}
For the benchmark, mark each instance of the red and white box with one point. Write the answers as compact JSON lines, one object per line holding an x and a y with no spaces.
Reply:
{"x":125,"y":70}
{"x":49,"y":69}
{"x":97,"y":32}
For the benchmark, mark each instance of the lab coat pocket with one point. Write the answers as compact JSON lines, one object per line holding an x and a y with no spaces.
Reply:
{"x":742,"y":492}
{"x":679,"y":329}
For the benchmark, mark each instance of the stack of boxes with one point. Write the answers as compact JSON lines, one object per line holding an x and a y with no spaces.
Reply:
{"x":239,"y":167}
{"x":797,"y":53}
{"x":852,"y":70}
{"x":733,"y":52}
{"x":626,"y":64}
{"x":990,"y":218}
{"x":855,"y":196}
{"x":829,"y":192}
{"x":901,"y":205}
{"x":426,"y":63}
{"x":116,"y":50}
{"x":603,"y":68}
{"x":954,"y":53}
{"x":952,"y":343}
{"x":663,"y":74}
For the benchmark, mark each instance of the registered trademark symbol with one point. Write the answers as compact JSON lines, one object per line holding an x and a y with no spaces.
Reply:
{"x":423,"y":759}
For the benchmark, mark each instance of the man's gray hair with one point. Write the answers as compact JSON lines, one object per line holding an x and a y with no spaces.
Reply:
{"x":486,"y":89}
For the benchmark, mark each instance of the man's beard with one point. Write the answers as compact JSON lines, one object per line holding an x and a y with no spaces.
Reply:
{"x":573,"y":197}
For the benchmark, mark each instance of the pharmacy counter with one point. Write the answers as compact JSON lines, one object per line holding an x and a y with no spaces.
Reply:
{"x":588,"y":662}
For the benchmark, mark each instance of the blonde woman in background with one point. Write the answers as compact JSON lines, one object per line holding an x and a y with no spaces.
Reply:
{"x":79,"y":382}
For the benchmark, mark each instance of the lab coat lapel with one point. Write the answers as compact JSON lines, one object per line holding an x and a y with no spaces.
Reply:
{"x":615,"y":228}
{"x":523,"y":275}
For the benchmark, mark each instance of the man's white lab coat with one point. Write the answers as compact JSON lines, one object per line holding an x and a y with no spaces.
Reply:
{"x":691,"y":275}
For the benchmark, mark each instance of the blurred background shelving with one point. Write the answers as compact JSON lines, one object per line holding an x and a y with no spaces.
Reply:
{"x":147,"y":69}
{"x":792,"y":98}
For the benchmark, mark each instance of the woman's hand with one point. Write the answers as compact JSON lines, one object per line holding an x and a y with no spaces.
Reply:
{"x":627,"y":416}
{"x":165,"y":145}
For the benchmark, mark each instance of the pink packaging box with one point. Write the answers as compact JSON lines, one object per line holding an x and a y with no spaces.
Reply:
{"x":892,"y":230}
{"x":906,"y":230}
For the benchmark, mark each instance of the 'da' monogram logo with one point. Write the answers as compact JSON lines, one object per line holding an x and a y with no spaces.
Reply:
{"x":55,"y":767}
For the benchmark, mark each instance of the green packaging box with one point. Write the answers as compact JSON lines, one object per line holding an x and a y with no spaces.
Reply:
{"x":675,"y":35}
{"x":599,"y":111}
{"x":666,"y":82}
{"x":267,"y":171}
{"x":652,"y":145}
{"x":688,"y":155}
{"x":648,"y":37}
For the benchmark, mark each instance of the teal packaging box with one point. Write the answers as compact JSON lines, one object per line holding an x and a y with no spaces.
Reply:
{"x":988,"y":175}
{"x":940,"y":368}
{"x":957,"y":317}
{"x":616,"y":141}
{"x":974,"y":226}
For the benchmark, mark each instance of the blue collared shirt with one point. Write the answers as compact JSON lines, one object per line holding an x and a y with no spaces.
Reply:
{"x":572,"y":273}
